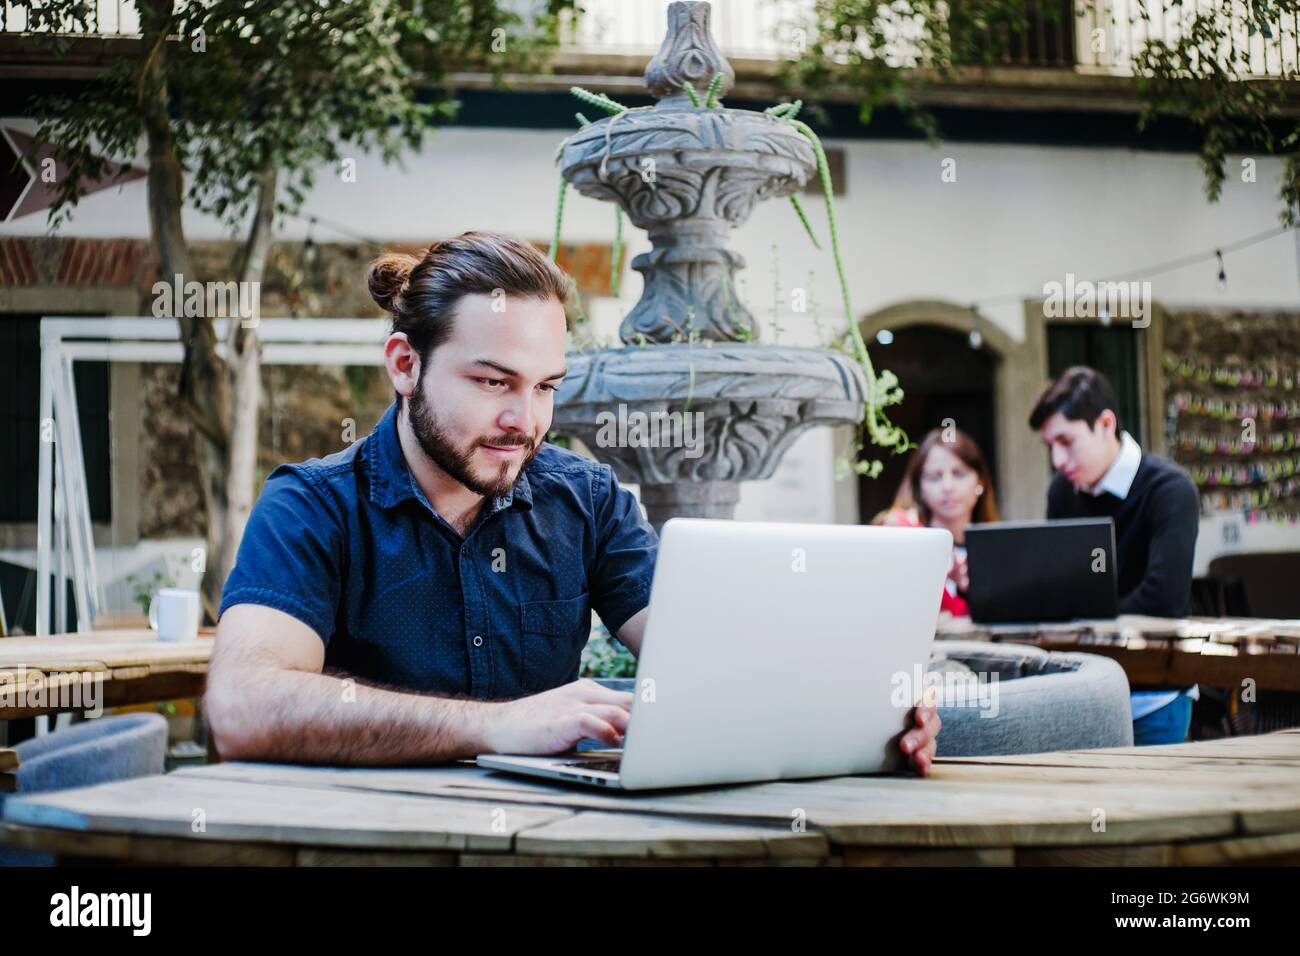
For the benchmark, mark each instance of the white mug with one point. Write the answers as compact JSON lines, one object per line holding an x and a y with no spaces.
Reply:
{"x":174,"y":614}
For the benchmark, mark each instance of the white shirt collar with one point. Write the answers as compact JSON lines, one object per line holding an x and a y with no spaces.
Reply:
{"x":1119,"y":476}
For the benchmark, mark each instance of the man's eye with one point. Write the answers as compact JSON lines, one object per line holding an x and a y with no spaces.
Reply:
{"x":548,"y":386}
{"x":492,"y":381}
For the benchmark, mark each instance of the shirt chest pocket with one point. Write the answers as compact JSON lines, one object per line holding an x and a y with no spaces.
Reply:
{"x":553,"y":634}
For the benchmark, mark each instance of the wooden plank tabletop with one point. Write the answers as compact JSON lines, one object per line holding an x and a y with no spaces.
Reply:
{"x":1224,"y":801}
{"x":1172,"y":652}
{"x":124,"y":648}
{"x":133,"y":665}
{"x":1135,"y":626}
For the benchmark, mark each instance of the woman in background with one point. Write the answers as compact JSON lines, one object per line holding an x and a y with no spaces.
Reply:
{"x":947,"y":485}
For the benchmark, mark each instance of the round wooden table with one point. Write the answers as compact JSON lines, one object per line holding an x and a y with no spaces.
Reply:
{"x":1164,"y":651}
{"x":1235,"y":800}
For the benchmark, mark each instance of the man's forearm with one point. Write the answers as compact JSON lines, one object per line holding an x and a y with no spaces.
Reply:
{"x":301,"y":717}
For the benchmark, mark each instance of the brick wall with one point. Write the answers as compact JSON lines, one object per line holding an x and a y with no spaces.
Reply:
{"x":331,"y":284}
{"x":41,"y":260}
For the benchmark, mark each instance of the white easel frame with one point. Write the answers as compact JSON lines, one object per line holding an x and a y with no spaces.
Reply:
{"x":63,"y":503}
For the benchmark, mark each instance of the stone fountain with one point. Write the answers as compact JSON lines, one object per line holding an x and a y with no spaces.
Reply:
{"x":692,"y":404}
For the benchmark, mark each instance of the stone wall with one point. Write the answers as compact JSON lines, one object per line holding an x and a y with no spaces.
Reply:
{"x":304,"y":408}
{"x":303,"y":414}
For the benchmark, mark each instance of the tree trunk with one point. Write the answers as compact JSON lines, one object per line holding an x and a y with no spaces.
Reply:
{"x":204,"y":391}
{"x":245,"y":350}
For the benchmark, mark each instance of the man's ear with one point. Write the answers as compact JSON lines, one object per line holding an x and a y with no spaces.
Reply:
{"x":402,"y":363}
{"x":1105,"y":423}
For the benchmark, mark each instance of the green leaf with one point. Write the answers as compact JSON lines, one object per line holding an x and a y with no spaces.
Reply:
{"x":711,"y":95}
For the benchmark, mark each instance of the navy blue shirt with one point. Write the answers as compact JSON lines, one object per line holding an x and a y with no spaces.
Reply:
{"x":350,"y":546}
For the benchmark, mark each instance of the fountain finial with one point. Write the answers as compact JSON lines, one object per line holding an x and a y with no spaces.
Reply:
{"x":687,"y":55}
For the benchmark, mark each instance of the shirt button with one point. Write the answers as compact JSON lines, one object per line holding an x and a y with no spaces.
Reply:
{"x":478,"y":640}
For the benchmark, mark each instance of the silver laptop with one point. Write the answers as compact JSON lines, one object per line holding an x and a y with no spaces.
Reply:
{"x":771,"y":651}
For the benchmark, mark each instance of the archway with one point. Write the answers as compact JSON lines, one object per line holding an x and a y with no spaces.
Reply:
{"x":943,"y":377}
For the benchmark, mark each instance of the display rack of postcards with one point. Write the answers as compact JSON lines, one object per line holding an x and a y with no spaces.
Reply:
{"x":1231,"y":384}
{"x":1233,"y":420}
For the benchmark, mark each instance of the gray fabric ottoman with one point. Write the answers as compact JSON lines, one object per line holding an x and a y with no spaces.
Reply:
{"x":1040,"y":701}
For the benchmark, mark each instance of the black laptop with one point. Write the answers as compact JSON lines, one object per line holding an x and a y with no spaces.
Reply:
{"x":1041,"y":570}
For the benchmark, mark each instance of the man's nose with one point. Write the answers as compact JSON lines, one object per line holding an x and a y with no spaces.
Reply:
{"x":520,"y":415}
{"x":1058,"y":458}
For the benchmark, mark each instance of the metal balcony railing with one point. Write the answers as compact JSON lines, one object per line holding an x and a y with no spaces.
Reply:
{"x":109,"y":18}
{"x":1088,"y":36}
{"x":1110,"y":31}
{"x":759,"y":29}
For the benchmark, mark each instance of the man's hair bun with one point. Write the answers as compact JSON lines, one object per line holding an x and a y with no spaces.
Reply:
{"x":388,"y":277}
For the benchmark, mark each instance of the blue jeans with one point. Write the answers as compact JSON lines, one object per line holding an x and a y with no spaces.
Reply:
{"x":1168,"y":725}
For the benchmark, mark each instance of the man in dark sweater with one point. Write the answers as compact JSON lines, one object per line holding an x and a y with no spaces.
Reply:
{"x":1102,"y":472}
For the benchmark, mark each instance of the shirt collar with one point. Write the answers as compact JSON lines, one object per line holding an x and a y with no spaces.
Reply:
{"x":1119,"y":476}
{"x":391,"y":481}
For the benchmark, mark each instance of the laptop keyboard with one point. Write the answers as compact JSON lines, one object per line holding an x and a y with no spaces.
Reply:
{"x":610,"y":765}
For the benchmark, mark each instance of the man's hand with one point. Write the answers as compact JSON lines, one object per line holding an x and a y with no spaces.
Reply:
{"x":554,"y":720}
{"x":919,"y":743}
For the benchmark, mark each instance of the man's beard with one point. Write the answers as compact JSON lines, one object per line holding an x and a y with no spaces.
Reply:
{"x":433,"y":438}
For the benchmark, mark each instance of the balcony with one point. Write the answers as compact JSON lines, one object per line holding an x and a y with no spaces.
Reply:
{"x":1096,"y":37}
{"x":109,"y":18}
{"x":1080,"y":59}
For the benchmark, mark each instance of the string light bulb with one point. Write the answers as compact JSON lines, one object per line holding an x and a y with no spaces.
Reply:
{"x":309,"y":250}
{"x":1223,"y":273}
{"x":1295,"y":217}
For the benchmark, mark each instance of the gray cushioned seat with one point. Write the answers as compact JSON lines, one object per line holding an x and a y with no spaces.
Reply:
{"x":94,"y":751}
{"x":1044,"y":701}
